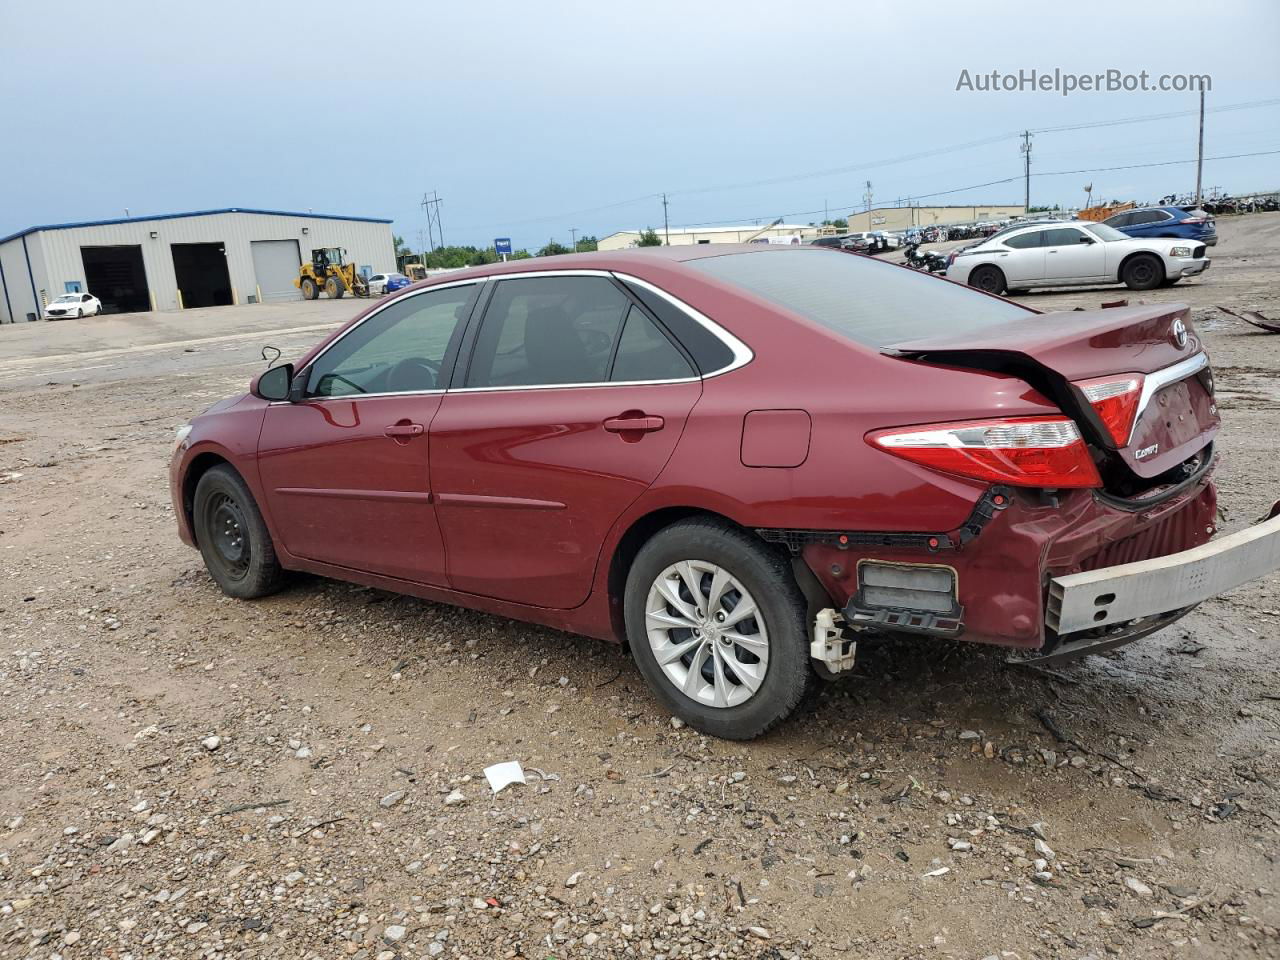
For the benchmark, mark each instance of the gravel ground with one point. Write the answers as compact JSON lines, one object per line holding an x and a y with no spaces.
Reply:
{"x":187,"y":775}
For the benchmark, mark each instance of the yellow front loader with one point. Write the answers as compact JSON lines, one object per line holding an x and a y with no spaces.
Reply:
{"x":329,"y":271}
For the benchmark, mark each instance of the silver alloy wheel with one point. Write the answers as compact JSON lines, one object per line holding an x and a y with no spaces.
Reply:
{"x":707,"y":634}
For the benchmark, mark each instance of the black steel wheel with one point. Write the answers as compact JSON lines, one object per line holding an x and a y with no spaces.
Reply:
{"x":1142,"y":272}
{"x":988,"y":279}
{"x":232,"y":536}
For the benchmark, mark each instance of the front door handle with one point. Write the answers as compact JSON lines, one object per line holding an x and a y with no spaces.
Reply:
{"x":634,"y":423}
{"x":404,"y":429}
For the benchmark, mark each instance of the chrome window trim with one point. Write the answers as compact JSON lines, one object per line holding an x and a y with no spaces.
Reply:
{"x":1153,"y":383}
{"x":742,"y":354}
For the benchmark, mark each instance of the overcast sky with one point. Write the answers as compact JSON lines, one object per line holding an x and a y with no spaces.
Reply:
{"x":532,"y":118}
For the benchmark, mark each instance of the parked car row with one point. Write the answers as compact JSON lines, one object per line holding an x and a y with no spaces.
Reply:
{"x":571,"y":441}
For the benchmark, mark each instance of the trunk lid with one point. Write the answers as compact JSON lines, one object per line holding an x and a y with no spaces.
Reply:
{"x":1176,"y":414}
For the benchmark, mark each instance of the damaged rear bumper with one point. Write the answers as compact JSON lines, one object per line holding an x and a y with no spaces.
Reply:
{"x":1002,"y":564}
{"x":1150,"y":588}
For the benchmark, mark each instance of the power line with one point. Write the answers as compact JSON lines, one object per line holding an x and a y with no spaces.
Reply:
{"x":992,"y":183}
{"x":873,"y":164}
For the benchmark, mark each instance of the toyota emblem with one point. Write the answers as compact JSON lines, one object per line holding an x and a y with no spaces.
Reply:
{"x":1179,"y":333}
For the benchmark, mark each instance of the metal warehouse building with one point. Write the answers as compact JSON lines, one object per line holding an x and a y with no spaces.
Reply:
{"x":202,"y":259}
{"x":685,"y":236}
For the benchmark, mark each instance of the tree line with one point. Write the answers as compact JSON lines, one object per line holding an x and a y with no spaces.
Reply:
{"x":453,"y":257}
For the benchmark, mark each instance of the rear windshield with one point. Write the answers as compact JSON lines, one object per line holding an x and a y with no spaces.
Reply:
{"x":869,"y":301}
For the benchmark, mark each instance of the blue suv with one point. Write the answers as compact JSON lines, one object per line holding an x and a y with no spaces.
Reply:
{"x":1172,"y":222}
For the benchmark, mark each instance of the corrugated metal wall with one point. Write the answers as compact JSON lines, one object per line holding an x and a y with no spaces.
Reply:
{"x":55,"y":254}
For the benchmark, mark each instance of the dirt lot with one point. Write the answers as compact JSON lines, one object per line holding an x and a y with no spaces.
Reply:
{"x":187,"y":775}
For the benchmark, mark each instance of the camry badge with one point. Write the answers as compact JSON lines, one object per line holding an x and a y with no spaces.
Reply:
{"x":1179,"y":333}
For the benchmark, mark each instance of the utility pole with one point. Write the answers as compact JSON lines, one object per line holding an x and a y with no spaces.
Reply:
{"x":431,"y":205}
{"x":1200,"y":152}
{"x":666,"y":226}
{"x":1026,"y":159}
{"x":866,"y":198}
{"x":573,"y":234}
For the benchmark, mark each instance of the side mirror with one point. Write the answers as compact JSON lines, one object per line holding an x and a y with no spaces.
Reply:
{"x":273,"y":384}
{"x":1085,"y":240}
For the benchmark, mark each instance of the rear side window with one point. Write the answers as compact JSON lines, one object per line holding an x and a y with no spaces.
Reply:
{"x":1025,"y":241}
{"x":645,"y":353}
{"x":708,"y":351}
{"x":541,"y":331}
{"x":866,"y":300}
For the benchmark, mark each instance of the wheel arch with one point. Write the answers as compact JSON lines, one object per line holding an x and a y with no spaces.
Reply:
{"x":1129,"y":257}
{"x":200,"y":464}
{"x":640,"y":531}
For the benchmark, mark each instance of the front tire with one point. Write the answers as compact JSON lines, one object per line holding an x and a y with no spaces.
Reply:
{"x":1142,"y":272}
{"x":988,"y":279}
{"x":333,"y":287}
{"x":79,"y":312}
{"x":233,"y":537}
{"x":717,"y":626}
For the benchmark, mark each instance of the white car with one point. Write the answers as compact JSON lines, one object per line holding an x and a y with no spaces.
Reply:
{"x":73,"y":305}
{"x":1073,"y":253}
{"x":379,"y":282}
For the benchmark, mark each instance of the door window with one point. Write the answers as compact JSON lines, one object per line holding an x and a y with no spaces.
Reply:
{"x":1062,"y":237}
{"x":645,"y":353}
{"x":1147,"y":216}
{"x":400,"y":349}
{"x":541,"y":331}
{"x":1025,"y":241}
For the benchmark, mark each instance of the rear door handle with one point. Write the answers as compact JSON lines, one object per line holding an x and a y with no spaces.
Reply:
{"x":637,"y":424}
{"x":404,"y":430}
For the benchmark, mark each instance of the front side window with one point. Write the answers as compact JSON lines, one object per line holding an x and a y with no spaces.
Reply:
{"x":400,"y":349}
{"x":1025,"y":241}
{"x":541,"y":331}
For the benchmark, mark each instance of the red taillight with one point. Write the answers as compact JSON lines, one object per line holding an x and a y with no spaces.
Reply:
{"x":1024,"y":451}
{"x":1115,"y":399}
{"x":1194,"y":220}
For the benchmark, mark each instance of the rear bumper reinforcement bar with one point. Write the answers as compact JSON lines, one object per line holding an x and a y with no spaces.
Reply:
{"x":1114,"y":595}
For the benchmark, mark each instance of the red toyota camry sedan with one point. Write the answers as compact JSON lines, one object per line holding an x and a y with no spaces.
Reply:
{"x":734,"y":460}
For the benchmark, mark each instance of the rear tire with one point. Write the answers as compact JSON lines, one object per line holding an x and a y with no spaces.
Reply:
{"x":768,"y":647}
{"x":309,"y":289}
{"x":233,"y":537}
{"x":988,"y":279}
{"x":1142,"y":272}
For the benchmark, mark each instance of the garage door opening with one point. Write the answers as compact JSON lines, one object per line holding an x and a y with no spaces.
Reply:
{"x":116,"y":276}
{"x":275,"y":267}
{"x":201,"y":272}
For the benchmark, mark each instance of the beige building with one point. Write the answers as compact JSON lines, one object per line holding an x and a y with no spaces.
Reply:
{"x":688,"y":236}
{"x":904,"y":218}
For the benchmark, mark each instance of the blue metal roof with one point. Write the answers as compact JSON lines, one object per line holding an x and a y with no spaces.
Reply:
{"x":193,"y":213}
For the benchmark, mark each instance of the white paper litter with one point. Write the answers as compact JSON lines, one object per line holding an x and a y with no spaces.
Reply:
{"x":504,"y":774}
